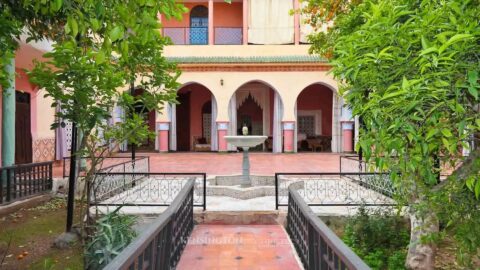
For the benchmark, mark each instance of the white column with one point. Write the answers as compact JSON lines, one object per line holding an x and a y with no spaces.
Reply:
{"x":172,"y":114}
{"x":336,"y":132}
{"x":232,"y":113}
{"x":277,"y":124}
{"x":213,"y":133}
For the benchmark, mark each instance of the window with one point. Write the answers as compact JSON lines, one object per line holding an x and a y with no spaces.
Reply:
{"x":199,"y":25}
{"x":306,"y":125}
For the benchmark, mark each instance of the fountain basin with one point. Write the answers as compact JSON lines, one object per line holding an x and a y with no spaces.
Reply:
{"x":245,"y":141}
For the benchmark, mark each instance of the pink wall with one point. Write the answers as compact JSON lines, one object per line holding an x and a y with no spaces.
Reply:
{"x":228,"y":15}
{"x":198,"y":97}
{"x":224,"y":15}
{"x":22,"y":83}
{"x":318,"y":97}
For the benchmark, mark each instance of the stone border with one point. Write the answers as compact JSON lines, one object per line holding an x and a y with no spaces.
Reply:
{"x":27,"y":203}
{"x":241,"y":218}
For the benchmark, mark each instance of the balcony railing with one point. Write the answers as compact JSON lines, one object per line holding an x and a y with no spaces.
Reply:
{"x":228,"y":35}
{"x":199,"y":35}
{"x":187,"y":35}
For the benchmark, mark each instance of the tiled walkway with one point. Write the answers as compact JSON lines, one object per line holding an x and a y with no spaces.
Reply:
{"x":231,"y":163}
{"x":238,"y":247}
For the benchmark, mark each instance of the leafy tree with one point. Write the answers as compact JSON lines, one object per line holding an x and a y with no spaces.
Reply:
{"x":100,"y":47}
{"x":410,"y":70}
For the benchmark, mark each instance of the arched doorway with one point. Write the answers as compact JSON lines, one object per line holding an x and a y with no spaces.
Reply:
{"x":199,"y":25}
{"x":260,"y":108}
{"x":314,"y":112}
{"x":193,"y":126}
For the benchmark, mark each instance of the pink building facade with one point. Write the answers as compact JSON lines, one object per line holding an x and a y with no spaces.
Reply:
{"x":244,"y":63}
{"x":34,"y":138}
{"x":248,"y":62}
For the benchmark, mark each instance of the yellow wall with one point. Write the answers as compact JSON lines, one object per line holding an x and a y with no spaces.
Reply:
{"x":45,"y":116}
{"x":235,"y":50}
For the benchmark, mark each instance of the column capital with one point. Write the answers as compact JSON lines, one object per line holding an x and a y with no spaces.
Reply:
{"x":222,"y":125}
{"x":288,"y":125}
{"x":163,"y":125}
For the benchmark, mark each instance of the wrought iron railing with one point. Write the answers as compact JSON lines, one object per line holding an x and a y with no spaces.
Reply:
{"x":161,"y":244}
{"x":336,"y":189}
{"x":25,"y":180}
{"x":106,"y":163}
{"x":228,"y":35}
{"x":145,"y":189}
{"x":187,"y":35}
{"x":317,"y":246}
{"x":352,"y":164}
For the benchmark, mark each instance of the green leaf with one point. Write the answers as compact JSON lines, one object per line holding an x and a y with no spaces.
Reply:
{"x":116,"y":33}
{"x":95,"y":24}
{"x":446,"y":143}
{"x":100,"y":57}
{"x":73,"y":25}
{"x":431,"y":132}
{"x":58,"y":5}
{"x":472,"y":77}
{"x":424,"y":43}
{"x":477,"y":189}
{"x":405,"y":83}
{"x":429,"y":50}
{"x":473,"y":91}
{"x":446,"y":133}
{"x":455,"y":38}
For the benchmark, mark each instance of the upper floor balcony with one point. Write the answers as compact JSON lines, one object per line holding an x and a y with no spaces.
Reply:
{"x":242,"y":22}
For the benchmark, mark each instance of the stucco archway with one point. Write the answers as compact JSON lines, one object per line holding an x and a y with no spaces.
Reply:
{"x":317,"y":113}
{"x":259,"y":106}
{"x":192,"y":126}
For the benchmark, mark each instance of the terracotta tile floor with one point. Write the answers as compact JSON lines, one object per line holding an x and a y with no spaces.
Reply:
{"x":231,"y":163}
{"x":238,"y":247}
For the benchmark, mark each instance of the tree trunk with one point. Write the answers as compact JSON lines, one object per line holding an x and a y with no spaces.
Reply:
{"x":421,"y":255}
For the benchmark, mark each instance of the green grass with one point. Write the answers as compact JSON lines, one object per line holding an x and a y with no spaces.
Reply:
{"x":71,"y":259}
{"x":34,"y":230}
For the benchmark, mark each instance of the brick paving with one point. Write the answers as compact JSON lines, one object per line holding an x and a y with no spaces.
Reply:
{"x":238,"y":247}
{"x":231,"y":163}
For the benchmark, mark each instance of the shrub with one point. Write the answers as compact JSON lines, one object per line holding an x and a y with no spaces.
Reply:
{"x":379,"y":238}
{"x":113,"y":232}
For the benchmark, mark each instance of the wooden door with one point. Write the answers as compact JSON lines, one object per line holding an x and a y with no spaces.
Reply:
{"x":183,"y":122}
{"x":23,"y":134}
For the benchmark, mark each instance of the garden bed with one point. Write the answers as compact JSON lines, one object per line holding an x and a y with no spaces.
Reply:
{"x":31,"y":233}
{"x":393,"y":236}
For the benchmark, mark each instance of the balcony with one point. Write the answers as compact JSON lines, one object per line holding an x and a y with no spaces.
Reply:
{"x":228,"y":35}
{"x":214,"y":22}
{"x":199,"y":35}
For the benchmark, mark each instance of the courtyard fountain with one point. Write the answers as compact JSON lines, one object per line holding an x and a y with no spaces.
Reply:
{"x":245,"y":142}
